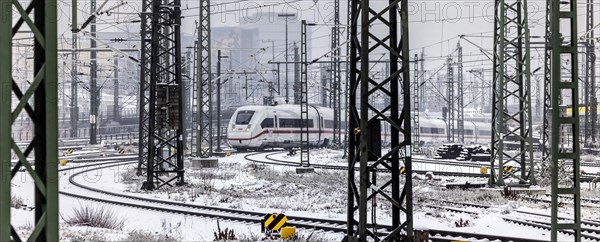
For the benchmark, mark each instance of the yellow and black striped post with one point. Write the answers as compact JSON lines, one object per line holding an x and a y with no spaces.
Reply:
{"x":68,"y":151}
{"x":273,"y":223}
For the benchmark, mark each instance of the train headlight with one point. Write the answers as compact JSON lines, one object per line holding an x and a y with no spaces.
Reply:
{"x":248,"y":128}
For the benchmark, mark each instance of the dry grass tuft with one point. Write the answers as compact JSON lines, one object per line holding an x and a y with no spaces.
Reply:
{"x":99,"y":217}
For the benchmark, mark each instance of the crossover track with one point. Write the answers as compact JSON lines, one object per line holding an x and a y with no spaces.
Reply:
{"x":272,"y":161}
{"x":330,"y":225}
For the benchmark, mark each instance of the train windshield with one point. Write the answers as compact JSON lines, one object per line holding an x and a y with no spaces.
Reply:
{"x":243,"y":117}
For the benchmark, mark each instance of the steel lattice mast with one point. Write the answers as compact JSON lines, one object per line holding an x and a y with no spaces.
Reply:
{"x":144,"y":99}
{"x":164,"y":93}
{"x":564,"y":149}
{"x":450,"y":94}
{"x":460,"y":106}
{"x":94,"y":91}
{"x":74,"y":116}
{"x":116,"y":109}
{"x":365,"y":115}
{"x":511,"y":114}
{"x":204,"y":142}
{"x":40,"y":103}
{"x":336,"y":74}
{"x":416,"y":104}
{"x":545,"y":145}
{"x":303,"y":95}
{"x":194,"y":103}
{"x":591,"y":103}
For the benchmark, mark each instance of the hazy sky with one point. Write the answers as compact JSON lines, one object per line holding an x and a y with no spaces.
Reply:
{"x":435,"y":25}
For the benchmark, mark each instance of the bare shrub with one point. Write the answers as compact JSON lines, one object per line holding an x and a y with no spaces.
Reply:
{"x":225,"y":199}
{"x":509,"y":194}
{"x":224,"y":235}
{"x":207,"y":182}
{"x":16,"y":202}
{"x":170,"y":228}
{"x":27,"y":226}
{"x":142,"y":236}
{"x":100,"y":217}
{"x":462,"y":223}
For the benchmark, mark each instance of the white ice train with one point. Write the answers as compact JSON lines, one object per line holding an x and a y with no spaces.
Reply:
{"x":259,"y":127}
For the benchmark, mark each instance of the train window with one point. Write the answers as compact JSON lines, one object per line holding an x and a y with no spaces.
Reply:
{"x":425,"y":130}
{"x":485,"y":132}
{"x":293,"y":123}
{"x":468,"y":132}
{"x":437,"y":131}
{"x":288,"y":123}
{"x":244,"y":117}
{"x":267,"y":123}
{"x":329,"y":124}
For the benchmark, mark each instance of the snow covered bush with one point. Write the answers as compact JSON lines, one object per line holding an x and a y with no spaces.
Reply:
{"x":16,"y":202}
{"x":141,"y":236}
{"x":312,"y":237}
{"x":462,"y":223}
{"x":509,"y":194}
{"x":83,"y":236}
{"x":100,"y":217}
{"x":544,"y":173}
{"x":129,"y":176}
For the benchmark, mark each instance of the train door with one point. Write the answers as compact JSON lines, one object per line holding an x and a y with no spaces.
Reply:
{"x":275,"y":133}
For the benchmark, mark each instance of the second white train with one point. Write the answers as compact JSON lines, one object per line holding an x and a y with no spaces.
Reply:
{"x":260,"y":127}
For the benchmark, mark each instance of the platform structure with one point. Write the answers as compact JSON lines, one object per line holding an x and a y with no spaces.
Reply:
{"x":38,"y":100}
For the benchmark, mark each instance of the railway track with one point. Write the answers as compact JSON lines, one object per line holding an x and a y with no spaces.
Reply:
{"x":473,"y":205}
{"x":535,"y":199}
{"x":589,"y":230}
{"x":272,"y":161}
{"x":330,"y":225}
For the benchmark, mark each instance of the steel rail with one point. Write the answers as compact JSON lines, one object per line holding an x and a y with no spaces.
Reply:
{"x":330,"y":225}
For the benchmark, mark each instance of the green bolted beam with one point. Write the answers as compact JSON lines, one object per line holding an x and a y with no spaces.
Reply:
{"x":40,"y":17}
{"x":5,"y":124}
{"x":564,"y":149}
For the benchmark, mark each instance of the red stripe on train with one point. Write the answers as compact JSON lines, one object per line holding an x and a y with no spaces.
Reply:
{"x":331,"y":132}
{"x":282,"y":132}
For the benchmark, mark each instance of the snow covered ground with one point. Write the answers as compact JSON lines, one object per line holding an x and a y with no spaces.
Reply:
{"x":241,"y":184}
